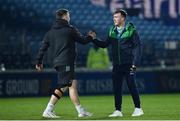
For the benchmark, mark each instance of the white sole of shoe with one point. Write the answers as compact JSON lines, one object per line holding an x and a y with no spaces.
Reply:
{"x":116,"y":116}
{"x":48,"y":116}
{"x":80,"y":116}
{"x":138,"y":115}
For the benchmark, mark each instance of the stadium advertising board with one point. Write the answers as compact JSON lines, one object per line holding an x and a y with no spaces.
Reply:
{"x":26,"y":84}
{"x":13,"y":84}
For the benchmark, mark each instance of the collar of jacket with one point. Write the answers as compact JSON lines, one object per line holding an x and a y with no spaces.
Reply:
{"x":126,"y":33}
{"x":59,"y":23}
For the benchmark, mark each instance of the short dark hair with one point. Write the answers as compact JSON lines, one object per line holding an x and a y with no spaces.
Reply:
{"x":123,"y":12}
{"x":60,"y":13}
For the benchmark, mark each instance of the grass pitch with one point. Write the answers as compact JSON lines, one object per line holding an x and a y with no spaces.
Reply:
{"x":156,"y":107}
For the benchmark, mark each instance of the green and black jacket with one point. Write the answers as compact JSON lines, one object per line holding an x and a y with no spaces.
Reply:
{"x":126,"y":47}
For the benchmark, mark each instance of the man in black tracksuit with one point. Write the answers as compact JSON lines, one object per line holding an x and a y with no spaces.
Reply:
{"x":62,"y":37}
{"x":126,"y":52}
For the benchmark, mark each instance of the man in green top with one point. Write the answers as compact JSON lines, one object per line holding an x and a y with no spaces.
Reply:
{"x":126,"y":53}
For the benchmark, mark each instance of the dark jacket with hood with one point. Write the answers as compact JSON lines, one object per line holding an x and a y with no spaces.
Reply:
{"x":126,"y":46}
{"x":62,"y":37}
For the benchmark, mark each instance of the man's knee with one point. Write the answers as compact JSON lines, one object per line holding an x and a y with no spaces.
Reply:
{"x":73,"y":85}
{"x":58,"y":92}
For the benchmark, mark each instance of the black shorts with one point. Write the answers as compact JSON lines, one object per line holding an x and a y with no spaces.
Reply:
{"x":65,"y":76}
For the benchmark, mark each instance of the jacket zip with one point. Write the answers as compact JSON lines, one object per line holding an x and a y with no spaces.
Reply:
{"x":118,"y":38}
{"x":119,"y":56}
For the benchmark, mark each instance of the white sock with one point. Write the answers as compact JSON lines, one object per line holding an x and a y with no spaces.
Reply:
{"x":79,"y":108}
{"x":50,"y":107}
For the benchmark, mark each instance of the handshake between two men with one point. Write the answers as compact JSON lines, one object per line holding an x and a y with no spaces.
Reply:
{"x":92,"y":34}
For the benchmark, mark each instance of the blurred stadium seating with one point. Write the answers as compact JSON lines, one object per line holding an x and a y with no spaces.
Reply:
{"x":23,"y":24}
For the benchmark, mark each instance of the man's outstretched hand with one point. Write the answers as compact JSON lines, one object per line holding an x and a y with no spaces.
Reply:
{"x":39,"y":67}
{"x":92,"y":34}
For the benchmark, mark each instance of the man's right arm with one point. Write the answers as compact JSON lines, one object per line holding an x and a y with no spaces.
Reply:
{"x":102,"y":44}
{"x":78,"y":37}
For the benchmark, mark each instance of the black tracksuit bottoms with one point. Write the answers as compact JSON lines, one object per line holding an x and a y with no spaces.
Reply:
{"x":119,"y":73}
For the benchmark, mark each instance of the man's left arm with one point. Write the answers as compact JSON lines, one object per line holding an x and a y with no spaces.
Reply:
{"x":137,"y":49}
